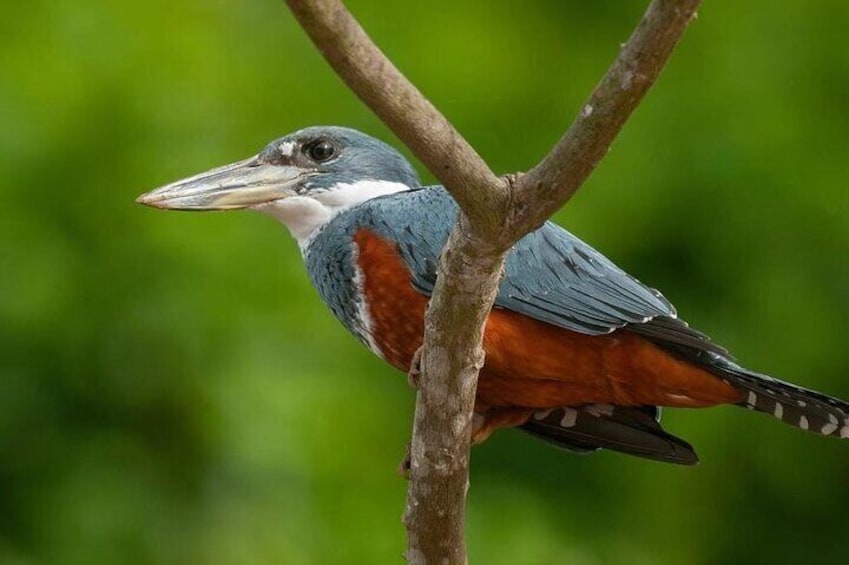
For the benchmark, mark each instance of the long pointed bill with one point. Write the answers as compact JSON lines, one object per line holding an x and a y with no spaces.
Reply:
{"x":240,"y":185}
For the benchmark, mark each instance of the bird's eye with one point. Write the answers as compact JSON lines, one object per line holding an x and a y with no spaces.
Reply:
{"x":321,"y":151}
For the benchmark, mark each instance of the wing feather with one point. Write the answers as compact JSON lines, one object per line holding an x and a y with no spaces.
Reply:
{"x":550,"y":275}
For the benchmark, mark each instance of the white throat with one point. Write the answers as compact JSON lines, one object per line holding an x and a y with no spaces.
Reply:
{"x":305,"y":215}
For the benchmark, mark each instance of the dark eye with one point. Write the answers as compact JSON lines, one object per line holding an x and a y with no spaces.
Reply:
{"x":321,"y":151}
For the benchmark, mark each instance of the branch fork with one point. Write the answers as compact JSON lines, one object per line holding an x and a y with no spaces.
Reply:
{"x":495,"y":213}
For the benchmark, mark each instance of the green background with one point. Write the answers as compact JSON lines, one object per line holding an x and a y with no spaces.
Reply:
{"x":172,"y":390}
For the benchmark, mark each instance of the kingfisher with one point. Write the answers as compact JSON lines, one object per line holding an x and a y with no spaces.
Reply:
{"x":578,"y":353}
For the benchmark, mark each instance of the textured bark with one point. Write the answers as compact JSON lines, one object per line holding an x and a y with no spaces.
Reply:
{"x":496,"y":214}
{"x":439,"y":453}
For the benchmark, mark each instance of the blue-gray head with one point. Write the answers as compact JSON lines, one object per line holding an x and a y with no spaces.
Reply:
{"x":302,"y":179}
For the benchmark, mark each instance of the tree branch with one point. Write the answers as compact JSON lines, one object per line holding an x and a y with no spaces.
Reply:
{"x":422,"y":128}
{"x":495,"y":214}
{"x":549,"y":185}
{"x":466,"y":285}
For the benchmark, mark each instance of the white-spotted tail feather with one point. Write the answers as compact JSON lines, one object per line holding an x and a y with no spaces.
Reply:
{"x":806,"y":409}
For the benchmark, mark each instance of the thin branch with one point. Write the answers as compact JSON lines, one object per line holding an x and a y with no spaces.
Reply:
{"x":466,"y":285}
{"x":401,"y":106}
{"x":544,"y":189}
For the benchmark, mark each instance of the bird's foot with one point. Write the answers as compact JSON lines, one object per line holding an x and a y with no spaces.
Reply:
{"x":406,"y":464}
{"x":415,"y":371}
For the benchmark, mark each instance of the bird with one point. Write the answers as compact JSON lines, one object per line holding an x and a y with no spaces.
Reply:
{"x":578,"y":353}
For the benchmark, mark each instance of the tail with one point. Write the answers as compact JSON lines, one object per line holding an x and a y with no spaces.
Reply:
{"x":631,"y":430}
{"x":637,"y":430}
{"x":806,"y":409}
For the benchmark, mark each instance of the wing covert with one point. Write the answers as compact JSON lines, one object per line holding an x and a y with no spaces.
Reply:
{"x":555,"y":277}
{"x":550,"y":275}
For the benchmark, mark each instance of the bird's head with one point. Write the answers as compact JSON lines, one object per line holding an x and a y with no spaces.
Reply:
{"x":302,"y":179}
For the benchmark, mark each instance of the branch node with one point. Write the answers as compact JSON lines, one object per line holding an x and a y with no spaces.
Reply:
{"x":406,"y":463}
{"x":415,"y":372}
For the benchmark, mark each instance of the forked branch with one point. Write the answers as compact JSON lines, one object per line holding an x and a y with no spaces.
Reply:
{"x":495,"y":215}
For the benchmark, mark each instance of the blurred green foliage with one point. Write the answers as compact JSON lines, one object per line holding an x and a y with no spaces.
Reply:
{"x":172,"y":390}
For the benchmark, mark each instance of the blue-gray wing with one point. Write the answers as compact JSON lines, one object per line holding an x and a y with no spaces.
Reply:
{"x":551,"y":275}
{"x":555,"y":277}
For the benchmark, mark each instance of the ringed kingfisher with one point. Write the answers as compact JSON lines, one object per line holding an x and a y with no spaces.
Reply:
{"x":578,"y":353}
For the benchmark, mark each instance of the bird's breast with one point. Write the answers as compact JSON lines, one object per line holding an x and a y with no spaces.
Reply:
{"x":529,"y":363}
{"x":393,"y":312}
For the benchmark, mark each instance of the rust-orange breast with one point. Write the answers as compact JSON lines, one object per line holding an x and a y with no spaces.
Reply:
{"x":531,"y":363}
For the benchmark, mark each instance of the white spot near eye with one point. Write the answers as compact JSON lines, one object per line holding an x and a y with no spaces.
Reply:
{"x":287,"y":148}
